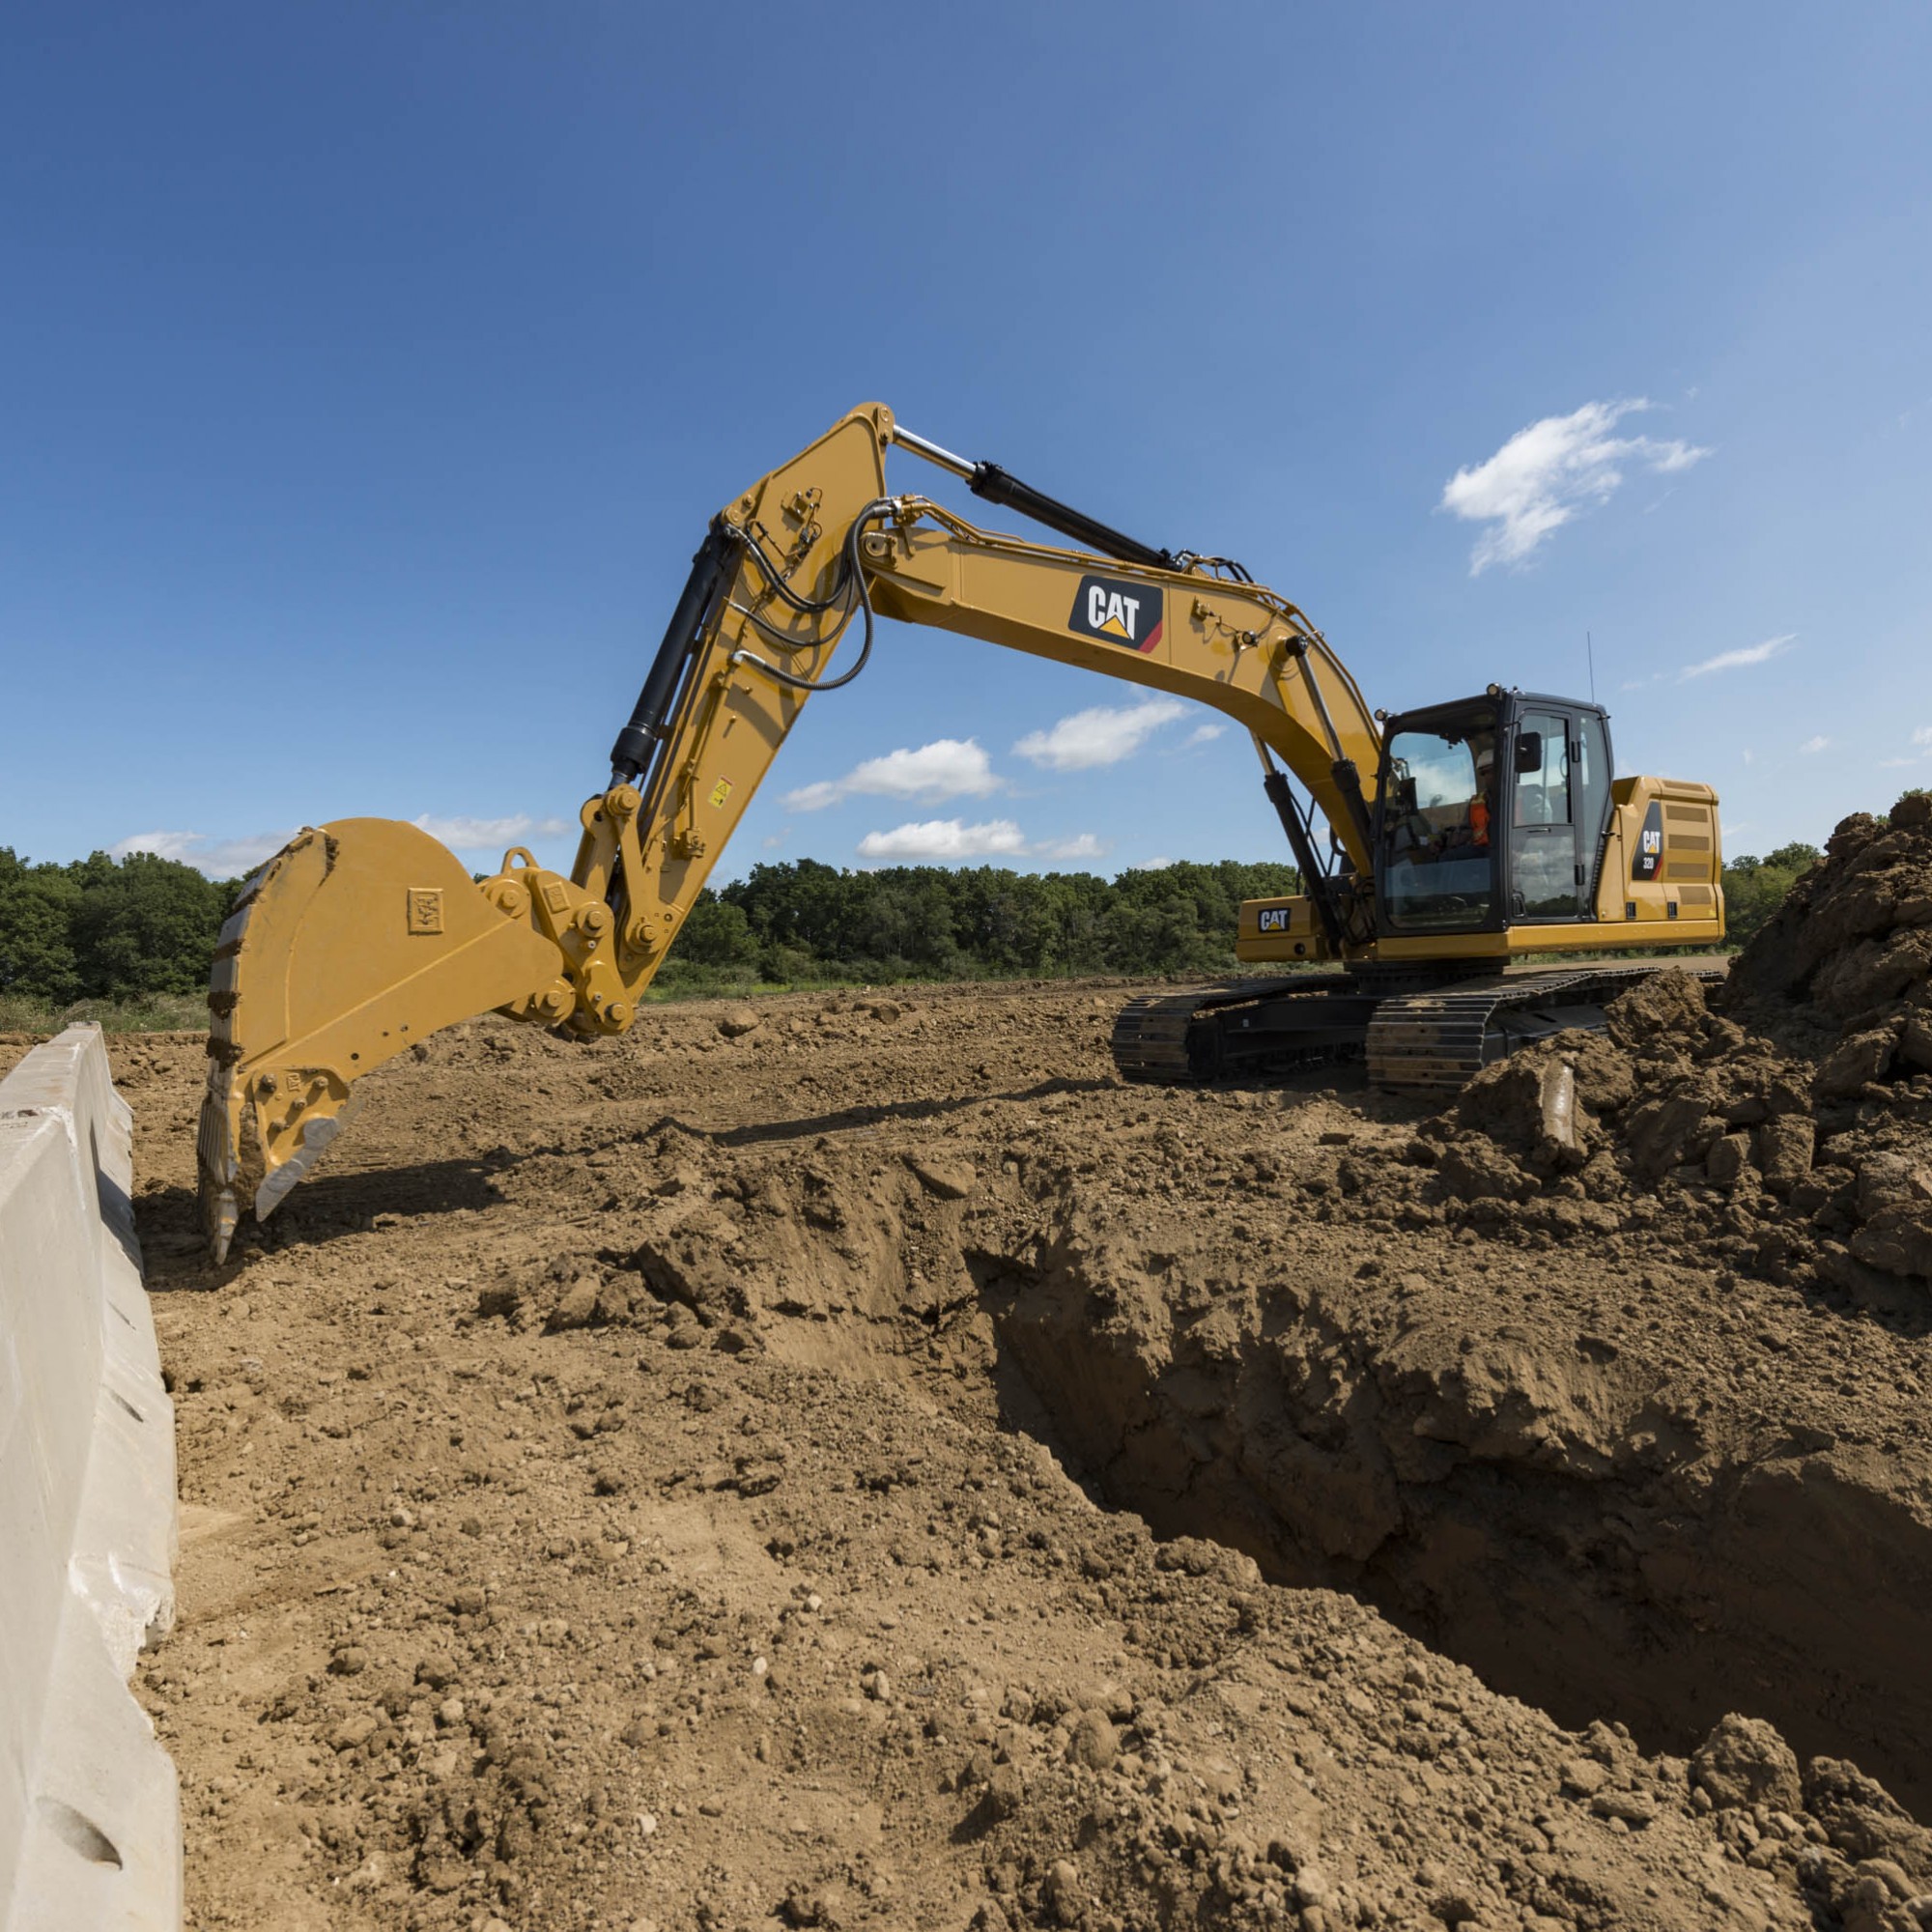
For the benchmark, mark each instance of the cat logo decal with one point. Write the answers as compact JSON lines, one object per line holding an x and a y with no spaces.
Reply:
{"x":1117,"y":609}
{"x":1649,"y":860}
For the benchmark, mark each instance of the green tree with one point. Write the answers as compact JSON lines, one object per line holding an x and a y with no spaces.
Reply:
{"x":145,"y":926}
{"x":716,"y":933}
{"x":799,"y":904}
{"x":804,"y":918}
{"x":1756,"y":888}
{"x":36,"y":908}
{"x":905,"y":918}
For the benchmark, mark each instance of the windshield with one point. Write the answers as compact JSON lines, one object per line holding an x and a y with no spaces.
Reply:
{"x":1436,"y":818}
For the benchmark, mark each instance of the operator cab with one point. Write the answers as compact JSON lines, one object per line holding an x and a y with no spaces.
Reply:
{"x":1490,"y":813}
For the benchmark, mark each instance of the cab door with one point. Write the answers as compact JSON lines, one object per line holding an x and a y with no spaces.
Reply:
{"x":1546,"y":875}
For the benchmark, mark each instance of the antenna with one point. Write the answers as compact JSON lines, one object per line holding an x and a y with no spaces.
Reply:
{"x":1591,"y":649}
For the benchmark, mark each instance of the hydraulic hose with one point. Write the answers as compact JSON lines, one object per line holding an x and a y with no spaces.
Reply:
{"x":854,"y":578}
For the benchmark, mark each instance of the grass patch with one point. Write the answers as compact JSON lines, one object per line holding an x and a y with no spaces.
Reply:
{"x":746,"y":983}
{"x":153,"y":1012}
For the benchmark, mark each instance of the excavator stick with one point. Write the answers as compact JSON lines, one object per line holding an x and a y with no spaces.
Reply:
{"x":357,"y":940}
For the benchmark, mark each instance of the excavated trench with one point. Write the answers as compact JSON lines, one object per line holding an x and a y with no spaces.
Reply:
{"x":1618,"y":1457}
{"x":1516,"y":1504}
{"x":1611,"y":1380}
{"x":1571,"y":1516}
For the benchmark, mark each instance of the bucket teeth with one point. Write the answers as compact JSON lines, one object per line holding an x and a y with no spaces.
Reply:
{"x":315,"y":1142}
{"x":218,"y":1137}
{"x":217,"y":1168}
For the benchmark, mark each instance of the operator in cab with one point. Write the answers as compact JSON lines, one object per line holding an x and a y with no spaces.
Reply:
{"x":1479,"y":806}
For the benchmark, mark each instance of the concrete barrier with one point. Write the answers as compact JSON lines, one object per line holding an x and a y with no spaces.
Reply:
{"x":89,"y":1817}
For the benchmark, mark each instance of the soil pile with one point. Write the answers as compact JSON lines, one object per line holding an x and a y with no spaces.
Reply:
{"x":1796,"y":1121}
{"x":1849,"y":954}
{"x":866,"y":1467}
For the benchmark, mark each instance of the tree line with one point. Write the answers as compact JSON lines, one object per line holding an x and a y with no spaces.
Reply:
{"x":141,"y":926}
{"x":103,"y":928}
{"x":800,"y":919}
{"x":135,"y":927}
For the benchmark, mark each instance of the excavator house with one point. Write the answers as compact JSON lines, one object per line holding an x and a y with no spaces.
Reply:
{"x":1436,"y":848}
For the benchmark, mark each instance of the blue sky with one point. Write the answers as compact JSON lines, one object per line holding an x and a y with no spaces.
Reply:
{"x":368,"y":374}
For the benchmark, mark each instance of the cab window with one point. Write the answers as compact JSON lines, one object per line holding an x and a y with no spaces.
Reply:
{"x":1438,"y":826}
{"x":1544,"y":874}
{"x":1591,"y":784}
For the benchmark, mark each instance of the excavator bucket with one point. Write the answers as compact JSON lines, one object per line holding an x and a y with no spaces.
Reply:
{"x":356,"y":940}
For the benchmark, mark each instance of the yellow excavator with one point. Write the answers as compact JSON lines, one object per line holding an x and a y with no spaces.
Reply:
{"x":1434,"y":847}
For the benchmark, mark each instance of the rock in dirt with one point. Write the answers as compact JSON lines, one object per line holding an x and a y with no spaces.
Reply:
{"x":1744,"y":1761}
{"x":575,"y":1307}
{"x":949,"y":1180}
{"x":1093,"y":1741}
{"x":1006,"y":1793}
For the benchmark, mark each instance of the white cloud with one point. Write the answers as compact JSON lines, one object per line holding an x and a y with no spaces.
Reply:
{"x":1894,"y":764}
{"x":1101,"y":736}
{"x":1159,"y":864}
{"x":1738,"y":660}
{"x":1750,"y":756}
{"x":1082,"y":845}
{"x":1540,"y":478}
{"x":1923,"y":737}
{"x":946,"y":839}
{"x":235,"y":858}
{"x":1811,"y":745}
{"x":947,"y":768}
{"x":488,"y":834}
{"x":951,"y":839}
{"x":219,"y":858}
{"x":1203,"y":735}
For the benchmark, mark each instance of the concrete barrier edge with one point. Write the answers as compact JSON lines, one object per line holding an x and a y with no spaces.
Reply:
{"x":98,"y":1839}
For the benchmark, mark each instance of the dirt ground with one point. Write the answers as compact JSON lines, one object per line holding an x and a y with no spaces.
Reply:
{"x":850,"y":1461}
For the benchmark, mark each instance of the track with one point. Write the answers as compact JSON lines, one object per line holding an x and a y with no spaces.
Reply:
{"x":1418,"y":1041}
{"x":1421,"y":1043}
{"x":1158,"y":1039}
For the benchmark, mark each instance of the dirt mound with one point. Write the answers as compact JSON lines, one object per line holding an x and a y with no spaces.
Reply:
{"x":1803,"y":1134}
{"x":1848,"y":957}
